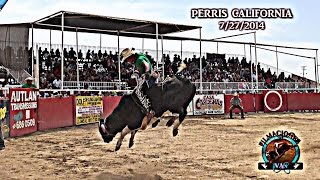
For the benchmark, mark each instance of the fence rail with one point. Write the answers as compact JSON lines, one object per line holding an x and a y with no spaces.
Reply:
{"x":205,"y":85}
{"x":222,"y":87}
{"x":95,"y":85}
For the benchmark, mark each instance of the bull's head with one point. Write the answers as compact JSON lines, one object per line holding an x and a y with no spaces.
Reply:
{"x":103,"y":129}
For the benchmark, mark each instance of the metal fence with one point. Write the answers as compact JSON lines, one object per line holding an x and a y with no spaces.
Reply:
{"x":224,"y":87}
{"x":294,"y":85}
{"x":95,"y":85}
{"x":214,"y":86}
{"x":84,"y":49}
{"x":248,"y":87}
{"x":228,"y":85}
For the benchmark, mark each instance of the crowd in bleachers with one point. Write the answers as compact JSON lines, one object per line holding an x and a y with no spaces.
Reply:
{"x":103,"y":67}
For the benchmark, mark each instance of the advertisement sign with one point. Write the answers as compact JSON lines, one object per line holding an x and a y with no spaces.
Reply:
{"x":190,"y":109}
{"x":23,"y":107}
{"x":208,"y":104}
{"x":88,"y":109}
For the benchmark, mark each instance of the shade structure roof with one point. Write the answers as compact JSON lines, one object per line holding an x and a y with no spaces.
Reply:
{"x":82,"y":22}
{"x":98,"y":24}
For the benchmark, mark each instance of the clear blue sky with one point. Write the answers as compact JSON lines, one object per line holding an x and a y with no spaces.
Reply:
{"x":300,"y":31}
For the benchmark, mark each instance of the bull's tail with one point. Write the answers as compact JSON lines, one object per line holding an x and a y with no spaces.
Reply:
{"x":181,"y":67}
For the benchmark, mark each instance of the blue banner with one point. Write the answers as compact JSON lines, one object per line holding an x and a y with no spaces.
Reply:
{"x":3,"y":3}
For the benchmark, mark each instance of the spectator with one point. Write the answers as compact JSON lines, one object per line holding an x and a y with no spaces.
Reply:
{"x":3,"y":118}
{"x":29,"y":83}
{"x":57,"y":83}
{"x":236,"y":104}
{"x":80,"y":55}
{"x":104,"y":67}
{"x":88,"y":55}
{"x":72,"y":53}
{"x":2,"y":145}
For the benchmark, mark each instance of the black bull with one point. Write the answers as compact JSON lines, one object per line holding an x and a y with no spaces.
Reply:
{"x":174,"y":96}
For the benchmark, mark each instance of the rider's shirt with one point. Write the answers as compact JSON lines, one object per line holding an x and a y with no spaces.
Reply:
{"x":141,"y":58}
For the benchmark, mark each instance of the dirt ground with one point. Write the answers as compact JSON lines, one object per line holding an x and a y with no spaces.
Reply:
{"x":204,"y":149}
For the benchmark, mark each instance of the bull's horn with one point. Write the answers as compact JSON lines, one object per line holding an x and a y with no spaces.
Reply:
{"x":181,"y":67}
{"x":103,"y":128}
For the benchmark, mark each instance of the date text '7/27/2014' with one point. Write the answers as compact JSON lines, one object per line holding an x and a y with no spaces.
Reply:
{"x":241,"y":25}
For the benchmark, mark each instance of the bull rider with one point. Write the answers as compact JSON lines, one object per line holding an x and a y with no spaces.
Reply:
{"x":29,"y":83}
{"x":143,"y":66}
{"x":236,"y":103}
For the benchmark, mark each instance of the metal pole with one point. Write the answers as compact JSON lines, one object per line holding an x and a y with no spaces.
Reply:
{"x":162,"y":57}
{"x":62,"y":54}
{"x":291,"y":54}
{"x":157,"y":56}
{"x":119,"y":63}
{"x":277,"y":61}
{"x":200,"y":62}
{"x":50,"y":41}
{"x":256,"y":61}
{"x":181,"y":50}
{"x":100,"y":41}
{"x":244,"y":50}
{"x":232,"y":35}
{"x":303,"y":70}
{"x":317,"y":71}
{"x":37,"y":68}
{"x":32,"y":53}
{"x":217,"y":48}
{"x":78,"y":78}
{"x":143,"y":45}
{"x":251,"y":70}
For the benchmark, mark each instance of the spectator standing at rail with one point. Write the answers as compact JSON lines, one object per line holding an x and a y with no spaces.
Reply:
{"x":236,"y":104}
{"x":29,"y":83}
{"x":3,"y":118}
{"x":2,"y":145}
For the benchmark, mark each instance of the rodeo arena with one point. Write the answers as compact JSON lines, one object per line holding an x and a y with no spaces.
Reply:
{"x":87,"y":112}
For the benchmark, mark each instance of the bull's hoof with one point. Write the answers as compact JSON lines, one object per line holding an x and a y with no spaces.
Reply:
{"x":155,"y":124}
{"x":131,"y":143}
{"x":175,"y":132}
{"x":117,"y":148}
{"x":169,"y":123}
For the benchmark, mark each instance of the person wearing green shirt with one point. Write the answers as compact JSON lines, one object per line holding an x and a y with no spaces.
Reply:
{"x":143,"y":66}
{"x":29,"y":83}
{"x":236,"y":104}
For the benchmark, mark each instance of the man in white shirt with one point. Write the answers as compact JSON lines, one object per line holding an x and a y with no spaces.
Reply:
{"x":57,"y":83}
{"x":254,"y":77}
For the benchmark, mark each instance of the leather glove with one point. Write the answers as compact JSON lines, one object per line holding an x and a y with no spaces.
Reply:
{"x":147,"y":75}
{"x":135,"y":76}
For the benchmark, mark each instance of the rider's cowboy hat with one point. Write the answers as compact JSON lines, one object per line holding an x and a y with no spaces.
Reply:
{"x":29,"y":79}
{"x":235,"y":94}
{"x":126,"y":53}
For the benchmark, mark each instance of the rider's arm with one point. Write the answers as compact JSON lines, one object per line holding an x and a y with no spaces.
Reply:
{"x":147,"y":66}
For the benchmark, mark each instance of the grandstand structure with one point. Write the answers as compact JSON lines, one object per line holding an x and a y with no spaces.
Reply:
{"x":29,"y":61}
